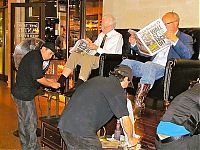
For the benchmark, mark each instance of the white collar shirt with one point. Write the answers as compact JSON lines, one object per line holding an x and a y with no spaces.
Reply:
{"x":113,"y":43}
{"x":161,"y":57}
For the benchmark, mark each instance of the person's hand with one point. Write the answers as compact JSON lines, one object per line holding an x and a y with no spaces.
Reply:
{"x":55,"y":85}
{"x":88,"y":40}
{"x":172,"y":36}
{"x":133,"y":141}
{"x":51,"y":80}
{"x":92,"y":46}
{"x":132,"y":39}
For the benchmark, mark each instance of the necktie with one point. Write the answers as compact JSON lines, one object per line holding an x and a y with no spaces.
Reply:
{"x":103,"y":41}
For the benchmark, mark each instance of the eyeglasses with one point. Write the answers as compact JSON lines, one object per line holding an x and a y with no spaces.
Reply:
{"x":171,"y":22}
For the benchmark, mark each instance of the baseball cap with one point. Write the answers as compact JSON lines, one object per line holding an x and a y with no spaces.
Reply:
{"x":125,"y":71}
{"x":50,"y":46}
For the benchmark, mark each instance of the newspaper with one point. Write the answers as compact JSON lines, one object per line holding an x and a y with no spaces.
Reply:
{"x":151,"y":39}
{"x":82,"y":46}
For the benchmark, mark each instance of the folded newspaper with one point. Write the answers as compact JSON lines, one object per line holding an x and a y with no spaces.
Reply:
{"x":151,"y":39}
{"x":82,"y":46}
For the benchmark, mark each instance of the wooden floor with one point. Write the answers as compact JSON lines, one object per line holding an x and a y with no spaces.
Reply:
{"x":9,"y":123}
{"x":8,"y":117}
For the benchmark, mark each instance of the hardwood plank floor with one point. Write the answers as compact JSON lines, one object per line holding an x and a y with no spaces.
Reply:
{"x":9,"y":122}
{"x":8,"y":117}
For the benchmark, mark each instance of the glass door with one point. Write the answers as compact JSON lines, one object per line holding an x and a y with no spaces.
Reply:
{"x":2,"y":42}
{"x":27,"y":20}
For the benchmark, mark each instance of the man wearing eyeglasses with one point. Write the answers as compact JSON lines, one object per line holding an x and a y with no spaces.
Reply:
{"x":181,"y":47}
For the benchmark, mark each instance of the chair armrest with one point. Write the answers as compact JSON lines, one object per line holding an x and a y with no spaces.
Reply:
{"x":111,"y":57}
{"x":178,"y":75}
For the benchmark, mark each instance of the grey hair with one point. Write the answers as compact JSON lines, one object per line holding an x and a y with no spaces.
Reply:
{"x":111,"y":20}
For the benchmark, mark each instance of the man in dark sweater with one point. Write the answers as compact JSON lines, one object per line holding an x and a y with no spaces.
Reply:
{"x":30,"y":76}
{"x":92,"y":105}
{"x":179,"y":127}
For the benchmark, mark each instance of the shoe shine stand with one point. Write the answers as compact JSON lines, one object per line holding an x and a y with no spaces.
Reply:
{"x":50,"y":94}
{"x":50,"y":135}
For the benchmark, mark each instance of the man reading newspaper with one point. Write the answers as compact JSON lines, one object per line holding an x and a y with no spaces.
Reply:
{"x":151,"y":39}
{"x":108,"y":41}
{"x":181,"y":47}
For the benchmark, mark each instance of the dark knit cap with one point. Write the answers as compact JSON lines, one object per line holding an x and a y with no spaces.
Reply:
{"x":126,"y":71}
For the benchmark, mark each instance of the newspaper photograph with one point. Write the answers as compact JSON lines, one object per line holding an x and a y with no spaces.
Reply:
{"x":82,"y":46}
{"x":151,"y":39}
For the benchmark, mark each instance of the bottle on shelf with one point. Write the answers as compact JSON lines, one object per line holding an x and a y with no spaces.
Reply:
{"x":117,"y":130}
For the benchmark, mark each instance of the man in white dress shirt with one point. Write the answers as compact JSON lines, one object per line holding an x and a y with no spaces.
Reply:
{"x":108,"y":41}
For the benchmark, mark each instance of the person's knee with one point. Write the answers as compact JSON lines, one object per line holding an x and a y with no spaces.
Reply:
{"x":128,"y":62}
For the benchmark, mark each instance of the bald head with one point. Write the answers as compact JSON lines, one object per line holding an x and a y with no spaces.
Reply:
{"x":172,"y":16}
{"x":171,"y":21}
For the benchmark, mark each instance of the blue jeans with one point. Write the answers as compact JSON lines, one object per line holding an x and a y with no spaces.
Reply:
{"x":148,"y":71}
{"x":80,"y":143}
{"x":27,"y":124}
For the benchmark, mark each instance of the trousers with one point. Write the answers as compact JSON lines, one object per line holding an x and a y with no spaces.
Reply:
{"x":80,"y":143}
{"x":87,"y":63}
{"x":27,"y":124}
{"x":148,"y":71}
{"x":187,"y":143}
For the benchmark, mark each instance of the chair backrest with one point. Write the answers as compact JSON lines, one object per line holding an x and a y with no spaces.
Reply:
{"x":178,"y":75}
{"x":195,"y":34}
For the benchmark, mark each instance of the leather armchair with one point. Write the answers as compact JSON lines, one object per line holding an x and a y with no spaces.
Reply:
{"x":178,"y":72}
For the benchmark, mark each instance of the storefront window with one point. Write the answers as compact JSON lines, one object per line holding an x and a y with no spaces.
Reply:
{"x":93,"y":18}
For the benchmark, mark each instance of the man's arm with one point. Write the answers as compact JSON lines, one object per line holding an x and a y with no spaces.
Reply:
{"x":128,"y":128}
{"x":182,"y":44}
{"x":48,"y":82}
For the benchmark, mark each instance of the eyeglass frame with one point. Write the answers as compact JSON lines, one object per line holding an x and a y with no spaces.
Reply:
{"x":170,"y":22}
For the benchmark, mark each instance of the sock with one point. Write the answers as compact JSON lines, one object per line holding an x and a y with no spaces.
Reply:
{"x":78,"y":83}
{"x":62,"y":80}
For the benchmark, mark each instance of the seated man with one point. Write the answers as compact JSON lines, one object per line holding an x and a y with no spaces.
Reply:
{"x":181,"y":47}
{"x":179,"y":127}
{"x":108,"y":41}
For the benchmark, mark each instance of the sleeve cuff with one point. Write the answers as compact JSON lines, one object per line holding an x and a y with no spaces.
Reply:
{"x":174,"y":43}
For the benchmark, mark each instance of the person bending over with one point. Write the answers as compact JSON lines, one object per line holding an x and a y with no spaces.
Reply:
{"x":179,"y":127}
{"x":30,"y":76}
{"x":92,"y":105}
